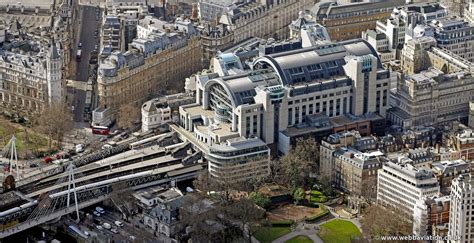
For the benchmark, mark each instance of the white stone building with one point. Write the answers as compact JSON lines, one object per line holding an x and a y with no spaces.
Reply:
{"x":288,"y":90}
{"x":402,"y":185}
{"x":461,"y":225}
{"x":159,"y":111}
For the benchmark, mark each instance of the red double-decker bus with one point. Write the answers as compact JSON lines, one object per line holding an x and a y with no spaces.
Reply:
{"x":100,"y":130}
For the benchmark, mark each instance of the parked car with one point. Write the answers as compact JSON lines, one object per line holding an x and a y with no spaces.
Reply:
{"x":118,"y":223}
{"x":96,"y":213}
{"x":100,"y":210}
{"x":106,"y":226}
{"x":99,"y":227}
{"x":114,"y":230}
{"x":33,"y":165}
{"x":48,"y":159}
{"x":79,"y":148}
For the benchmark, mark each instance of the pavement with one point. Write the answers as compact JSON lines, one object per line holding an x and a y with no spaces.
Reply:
{"x":311,"y":230}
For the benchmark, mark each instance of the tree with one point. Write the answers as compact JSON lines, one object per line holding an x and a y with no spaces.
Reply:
{"x":224,"y":188}
{"x":128,"y":115}
{"x":379,"y":221}
{"x":299,"y":195}
{"x":244,"y":212}
{"x":260,"y":199}
{"x":55,"y":121}
{"x":276,"y":171}
{"x":302,"y":159}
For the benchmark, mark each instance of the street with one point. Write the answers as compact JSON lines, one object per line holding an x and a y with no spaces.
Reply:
{"x":88,"y":25}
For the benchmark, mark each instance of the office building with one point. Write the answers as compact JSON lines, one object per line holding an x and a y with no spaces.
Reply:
{"x":401,"y":186}
{"x":335,"y":142}
{"x":356,"y":172}
{"x":112,"y":36}
{"x":156,"y":64}
{"x":469,"y":13}
{"x":212,"y":10}
{"x":31,"y":75}
{"x":455,"y":35}
{"x":159,"y":111}
{"x":431,"y":216}
{"x":345,"y":21}
{"x":447,"y":171}
{"x":448,"y":97}
{"x":461,"y":226}
{"x":286,"y":95}
{"x":263,"y":19}
{"x":463,"y":143}
{"x":380,"y":42}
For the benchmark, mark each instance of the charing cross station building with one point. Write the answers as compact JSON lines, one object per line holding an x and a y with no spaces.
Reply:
{"x":246,"y":111}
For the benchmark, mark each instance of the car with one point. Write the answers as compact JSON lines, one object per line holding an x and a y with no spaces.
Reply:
{"x":118,"y":223}
{"x":114,"y":230}
{"x":48,"y":159}
{"x":124,"y":135}
{"x":106,"y":226}
{"x":87,"y":233}
{"x":96,"y":213}
{"x":99,"y":227}
{"x":100,"y":210}
{"x":33,"y":165}
{"x":80,"y":44}
{"x":103,"y":139}
{"x":106,"y":146}
{"x":79,"y":148}
{"x":115,"y":132}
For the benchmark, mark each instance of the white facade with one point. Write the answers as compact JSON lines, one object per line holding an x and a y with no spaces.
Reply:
{"x":401,"y":186}
{"x":469,"y":13}
{"x":432,"y":97}
{"x":211,"y":10}
{"x":283,"y":90}
{"x":30,"y":81}
{"x":254,"y":19}
{"x":461,"y":222}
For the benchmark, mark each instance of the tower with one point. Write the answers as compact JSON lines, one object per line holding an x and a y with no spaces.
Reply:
{"x":54,"y":74}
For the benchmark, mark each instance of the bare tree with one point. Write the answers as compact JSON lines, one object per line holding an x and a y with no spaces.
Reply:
{"x":55,"y":121}
{"x":300,"y":161}
{"x":380,"y":221}
{"x":245,"y":213}
{"x":223,"y":187}
{"x":128,"y":115}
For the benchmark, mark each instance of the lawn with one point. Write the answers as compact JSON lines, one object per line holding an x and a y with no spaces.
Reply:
{"x":299,"y":239}
{"x":338,"y":231}
{"x":269,"y":234}
{"x":26,"y":139}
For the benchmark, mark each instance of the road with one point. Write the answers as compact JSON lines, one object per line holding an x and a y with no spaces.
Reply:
{"x":88,"y":25}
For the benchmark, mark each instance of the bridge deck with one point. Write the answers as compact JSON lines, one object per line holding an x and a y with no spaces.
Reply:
{"x":112,"y":160}
{"x":130,"y":168}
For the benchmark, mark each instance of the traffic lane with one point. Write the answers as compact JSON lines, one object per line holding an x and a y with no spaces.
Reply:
{"x":79,"y":104}
{"x":89,"y":26}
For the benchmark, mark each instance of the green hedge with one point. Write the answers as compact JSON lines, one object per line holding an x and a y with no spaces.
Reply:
{"x":317,"y":216}
{"x":281,"y":223}
{"x":318,"y":197}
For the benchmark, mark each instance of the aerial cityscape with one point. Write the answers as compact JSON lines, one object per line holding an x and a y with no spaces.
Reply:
{"x":285,"y":121}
